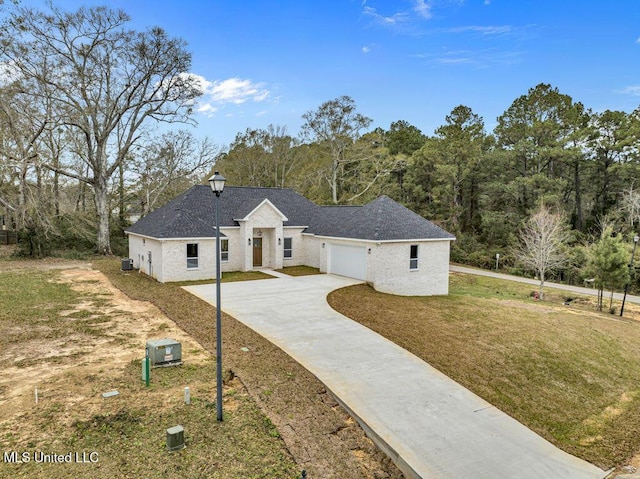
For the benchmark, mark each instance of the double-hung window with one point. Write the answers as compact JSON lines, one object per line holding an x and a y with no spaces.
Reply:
{"x":192,"y":255}
{"x":224,"y":249}
{"x":413,"y":257}
{"x":288,"y":248}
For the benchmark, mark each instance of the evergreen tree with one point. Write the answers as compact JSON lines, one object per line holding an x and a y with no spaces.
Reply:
{"x":607,"y":264}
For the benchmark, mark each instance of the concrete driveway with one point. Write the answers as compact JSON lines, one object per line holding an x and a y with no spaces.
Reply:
{"x":431,"y":426}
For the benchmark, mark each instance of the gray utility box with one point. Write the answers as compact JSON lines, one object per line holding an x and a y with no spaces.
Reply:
{"x":164,"y":352}
{"x":127,"y":264}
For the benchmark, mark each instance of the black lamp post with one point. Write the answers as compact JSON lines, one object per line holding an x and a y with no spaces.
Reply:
{"x":626,"y":286}
{"x":217,"y":185}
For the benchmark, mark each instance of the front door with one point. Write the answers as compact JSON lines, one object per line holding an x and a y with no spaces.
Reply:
{"x":257,"y":252}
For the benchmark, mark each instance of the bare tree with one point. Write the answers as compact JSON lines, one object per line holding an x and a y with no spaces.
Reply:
{"x":336,"y":126}
{"x":260,"y":157}
{"x":631,"y":205}
{"x":363,"y":178}
{"x":104,"y":82}
{"x":169,"y":164}
{"x":281,"y":147}
{"x":542,"y":243}
{"x":23,"y":191}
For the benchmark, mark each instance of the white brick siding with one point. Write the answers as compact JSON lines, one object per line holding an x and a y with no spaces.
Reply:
{"x":388,"y":267}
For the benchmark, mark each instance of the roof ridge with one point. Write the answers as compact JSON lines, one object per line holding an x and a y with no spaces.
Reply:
{"x":340,"y":206}
{"x":260,"y":187}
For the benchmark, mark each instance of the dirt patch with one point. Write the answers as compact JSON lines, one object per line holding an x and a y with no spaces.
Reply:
{"x":66,"y":370}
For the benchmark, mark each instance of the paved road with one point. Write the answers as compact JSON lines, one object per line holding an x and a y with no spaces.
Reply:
{"x":547,"y":284}
{"x":431,"y":426}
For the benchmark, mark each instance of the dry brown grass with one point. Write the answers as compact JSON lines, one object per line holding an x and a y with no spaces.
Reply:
{"x":567,"y":372}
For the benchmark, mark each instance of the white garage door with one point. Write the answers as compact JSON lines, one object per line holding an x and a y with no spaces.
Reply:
{"x":346,"y":260}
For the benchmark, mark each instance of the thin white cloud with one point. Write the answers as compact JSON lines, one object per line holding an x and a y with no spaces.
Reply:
{"x":483,"y":30}
{"x":631,"y":90}
{"x":366,"y":49}
{"x":408,"y":20}
{"x":395,"y":19}
{"x":638,"y":40}
{"x":477,"y":59}
{"x":423,"y":9}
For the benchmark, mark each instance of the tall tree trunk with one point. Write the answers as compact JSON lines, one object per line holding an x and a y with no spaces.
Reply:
{"x":121,"y":213}
{"x":578,"y":195}
{"x":334,"y":182}
{"x":56,"y":193}
{"x":101,"y":193}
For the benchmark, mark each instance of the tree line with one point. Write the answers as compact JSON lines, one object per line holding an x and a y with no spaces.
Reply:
{"x":547,"y":154}
{"x":93,"y":119}
{"x":82,"y":98}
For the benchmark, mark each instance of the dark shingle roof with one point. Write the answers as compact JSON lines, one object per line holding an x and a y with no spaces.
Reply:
{"x":192,"y":215}
{"x":381,"y":220}
{"x":175,"y":220}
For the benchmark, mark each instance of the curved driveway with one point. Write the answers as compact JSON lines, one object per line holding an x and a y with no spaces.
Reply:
{"x":431,"y":426}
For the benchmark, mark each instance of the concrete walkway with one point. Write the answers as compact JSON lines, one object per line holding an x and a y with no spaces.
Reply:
{"x":431,"y":426}
{"x":547,"y":284}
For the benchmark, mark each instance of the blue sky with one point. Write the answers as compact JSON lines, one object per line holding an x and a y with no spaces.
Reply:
{"x":270,"y":62}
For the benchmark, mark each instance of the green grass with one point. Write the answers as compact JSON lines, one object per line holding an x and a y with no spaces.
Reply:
{"x":37,"y":302}
{"x":299,"y":270}
{"x":228,"y":277}
{"x":568,"y":373}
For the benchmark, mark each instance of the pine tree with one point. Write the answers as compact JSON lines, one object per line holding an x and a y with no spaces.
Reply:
{"x":607,"y":264}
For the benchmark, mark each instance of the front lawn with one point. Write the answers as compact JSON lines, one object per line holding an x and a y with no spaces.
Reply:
{"x":567,"y":372}
{"x":299,"y":270}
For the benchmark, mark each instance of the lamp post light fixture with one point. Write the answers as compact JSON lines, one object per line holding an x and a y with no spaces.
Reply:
{"x":217,"y":185}
{"x":626,"y":286}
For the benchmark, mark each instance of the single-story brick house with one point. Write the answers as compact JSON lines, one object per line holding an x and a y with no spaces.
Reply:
{"x":382,"y":242}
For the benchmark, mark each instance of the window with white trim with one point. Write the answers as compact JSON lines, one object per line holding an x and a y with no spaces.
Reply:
{"x":192,"y":255}
{"x":224,"y":249}
{"x":413,"y":257}
{"x":288,"y":248}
